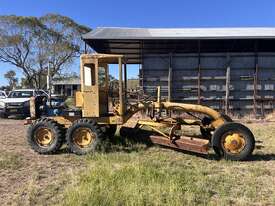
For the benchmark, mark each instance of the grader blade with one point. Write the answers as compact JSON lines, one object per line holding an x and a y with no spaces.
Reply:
{"x":183,"y":143}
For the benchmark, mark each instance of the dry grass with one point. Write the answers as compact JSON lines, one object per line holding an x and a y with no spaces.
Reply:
{"x":132,"y":174}
{"x":27,"y":178}
{"x":10,"y":161}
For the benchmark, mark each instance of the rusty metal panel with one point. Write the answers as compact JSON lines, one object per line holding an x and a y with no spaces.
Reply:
{"x":184,"y":143}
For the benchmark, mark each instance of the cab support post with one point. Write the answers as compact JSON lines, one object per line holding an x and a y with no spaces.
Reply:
{"x":121,"y":106}
{"x":125,"y":81}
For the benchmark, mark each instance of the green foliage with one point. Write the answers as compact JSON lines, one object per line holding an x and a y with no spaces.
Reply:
{"x":30,"y":43}
{"x":70,"y":102}
{"x":11,"y":77}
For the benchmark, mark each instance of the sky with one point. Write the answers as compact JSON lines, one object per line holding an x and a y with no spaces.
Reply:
{"x":147,"y":13}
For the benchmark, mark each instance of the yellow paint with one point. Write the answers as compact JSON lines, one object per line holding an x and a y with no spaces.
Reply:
{"x":154,"y":123}
{"x":83,"y":137}
{"x":218,"y":122}
{"x":44,"y":137}
{"x":79,"y":99}
{"x":193,"y":108}
{"x":234,"y":143}
{"x":65,"y":121}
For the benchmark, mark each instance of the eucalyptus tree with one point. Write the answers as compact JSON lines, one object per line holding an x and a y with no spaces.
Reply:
{"x":30,"y":43}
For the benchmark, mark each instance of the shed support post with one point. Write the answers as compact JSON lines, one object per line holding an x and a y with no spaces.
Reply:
{"x":125,"y":81}
{"x":199,"y":85}
{"x":255,"y":82}
{"x":72,"y":90}
{"x":255,"y":89}
{"x":141,"y":85}
{"x":62,"y":90}
{"x":141,"y":76}
{"x":170,"y":78}
{"x":227,"y":85}
{"x":199,"y":72}
{"x":85,"y":48}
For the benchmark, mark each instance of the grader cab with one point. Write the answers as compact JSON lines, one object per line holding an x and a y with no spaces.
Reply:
{"x":100,"y":108}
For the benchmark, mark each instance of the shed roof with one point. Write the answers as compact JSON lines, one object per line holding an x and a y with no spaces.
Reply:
{"x":134,"y":43}
{"x":69,"y":81}
{"x":179,"y":33}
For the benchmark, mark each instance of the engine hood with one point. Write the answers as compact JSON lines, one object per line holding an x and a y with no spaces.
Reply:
{"x":15,"y":100}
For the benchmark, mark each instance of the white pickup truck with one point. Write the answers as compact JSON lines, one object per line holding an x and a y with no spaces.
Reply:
{"x":17,"y":103}
{"x":3,"y":94}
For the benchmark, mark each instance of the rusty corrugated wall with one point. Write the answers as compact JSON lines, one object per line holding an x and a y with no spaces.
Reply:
{"x":201,"y":78}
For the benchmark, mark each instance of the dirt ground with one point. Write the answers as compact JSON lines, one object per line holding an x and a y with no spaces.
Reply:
{"x":27,"y":178}
{"x":25,"y":175}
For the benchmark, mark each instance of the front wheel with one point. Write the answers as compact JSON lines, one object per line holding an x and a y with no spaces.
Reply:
{"x":234,"y":141}
{"x":45,"y":136}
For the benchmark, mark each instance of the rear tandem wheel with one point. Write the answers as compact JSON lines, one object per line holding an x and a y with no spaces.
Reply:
{"x":84,"y":136}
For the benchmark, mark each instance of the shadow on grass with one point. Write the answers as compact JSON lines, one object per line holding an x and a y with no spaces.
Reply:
{"x":63,"y":150}
{"x":132,"y":142}
{"x":126,"y":144}
{"x":140,"y":142}
{"x":262,"y":157}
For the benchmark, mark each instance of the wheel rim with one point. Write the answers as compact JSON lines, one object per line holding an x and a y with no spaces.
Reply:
{"x":234,"y":143}
{"x":44,"y":137}
{"x":83,"y":137}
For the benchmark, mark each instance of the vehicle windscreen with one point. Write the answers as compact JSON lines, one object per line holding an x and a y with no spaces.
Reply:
{"x":2,"y":94}
{"x":20,"y":94}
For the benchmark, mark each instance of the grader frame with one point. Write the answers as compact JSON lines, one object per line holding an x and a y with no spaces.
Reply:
{"x":94,"y":102}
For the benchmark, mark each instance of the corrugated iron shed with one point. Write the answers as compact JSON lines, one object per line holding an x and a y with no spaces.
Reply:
{"x":229,"y":69}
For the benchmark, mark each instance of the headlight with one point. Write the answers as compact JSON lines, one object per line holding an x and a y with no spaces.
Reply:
{"x":2,"y":104}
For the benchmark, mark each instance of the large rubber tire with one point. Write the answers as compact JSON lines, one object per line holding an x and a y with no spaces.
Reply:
{"x":226,"y":118}
{"x":96,"y":131}
{"x":55,"y":129}
{"x":229,"y":127}
{"x":4,"y":116}
{"x":111,"y":130}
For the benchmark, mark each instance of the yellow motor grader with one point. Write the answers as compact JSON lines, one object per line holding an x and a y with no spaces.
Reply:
{"x":98,"y":115}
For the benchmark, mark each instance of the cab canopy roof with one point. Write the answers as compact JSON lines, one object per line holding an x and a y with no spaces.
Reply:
{"x":105,"y":58}
{"x":134,"y":42}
